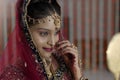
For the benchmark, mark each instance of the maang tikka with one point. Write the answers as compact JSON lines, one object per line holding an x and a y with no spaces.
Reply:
{"x":54,"y":16}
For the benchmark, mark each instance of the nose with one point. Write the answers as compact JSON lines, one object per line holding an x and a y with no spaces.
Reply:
{"x":51,"y":41}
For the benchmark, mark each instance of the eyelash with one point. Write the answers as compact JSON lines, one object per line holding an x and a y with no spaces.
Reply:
{"x":57,"y":32}
{"x":44,"y":34}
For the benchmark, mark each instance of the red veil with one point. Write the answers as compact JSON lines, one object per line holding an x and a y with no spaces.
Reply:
{"x":18,"y":61}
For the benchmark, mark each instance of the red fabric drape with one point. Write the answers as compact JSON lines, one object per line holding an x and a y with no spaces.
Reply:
{"x":17,"y":53}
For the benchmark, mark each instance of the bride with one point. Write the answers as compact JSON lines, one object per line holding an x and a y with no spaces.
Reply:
{"x":39,"y":51}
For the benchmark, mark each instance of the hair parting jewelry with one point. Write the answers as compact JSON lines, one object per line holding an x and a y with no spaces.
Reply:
{"x":54,"y":16}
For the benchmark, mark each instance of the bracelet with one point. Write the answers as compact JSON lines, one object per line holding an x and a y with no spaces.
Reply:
{"x":83,"y":78}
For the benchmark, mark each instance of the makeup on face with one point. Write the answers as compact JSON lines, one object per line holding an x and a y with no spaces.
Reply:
{"x":44,"y":35}
{"x":45,"y":32}
{"x":48,"y":49}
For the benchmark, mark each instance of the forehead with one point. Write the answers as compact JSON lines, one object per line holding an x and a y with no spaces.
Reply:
{"x":48,"y":23}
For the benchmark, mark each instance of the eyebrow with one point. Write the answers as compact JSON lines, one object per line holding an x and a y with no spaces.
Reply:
{"x":43,"y":29}
{"x":49,"y":30}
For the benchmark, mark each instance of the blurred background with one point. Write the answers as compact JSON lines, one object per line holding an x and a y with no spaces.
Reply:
{"x":89,"y":24}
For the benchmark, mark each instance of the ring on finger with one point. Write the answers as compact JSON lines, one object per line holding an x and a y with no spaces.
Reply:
{"x":73,"y":46}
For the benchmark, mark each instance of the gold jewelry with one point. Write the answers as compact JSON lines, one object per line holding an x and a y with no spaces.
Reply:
{"x":47,"y":68}
{"x":54,"y":16}
{"x":56,"y":19}
{"x":73,"y":46}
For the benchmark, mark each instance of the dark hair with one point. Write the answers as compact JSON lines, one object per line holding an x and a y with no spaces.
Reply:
{"x":41,"y":9}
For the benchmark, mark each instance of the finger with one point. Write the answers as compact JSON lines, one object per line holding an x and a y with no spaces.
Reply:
{"x":69,"y":49}
{"x":62,"y":42}
{"x":63,"y":46}
{"x":71,"y":55}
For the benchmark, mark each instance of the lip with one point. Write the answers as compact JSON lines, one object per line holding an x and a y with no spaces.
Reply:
{"x":48,"y":49}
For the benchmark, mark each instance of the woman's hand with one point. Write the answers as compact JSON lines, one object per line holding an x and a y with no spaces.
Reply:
{"x":70,"y":54}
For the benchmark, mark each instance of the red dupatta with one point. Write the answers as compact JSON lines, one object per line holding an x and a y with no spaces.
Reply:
{"x":17,"y":59}
{"x":20,"y":60}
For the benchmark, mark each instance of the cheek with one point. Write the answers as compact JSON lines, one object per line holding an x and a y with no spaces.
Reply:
{"x":57,"y":38}
{"x":39,"y":41}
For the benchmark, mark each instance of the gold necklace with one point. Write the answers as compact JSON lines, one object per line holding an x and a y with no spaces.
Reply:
{"x":48,"y":69}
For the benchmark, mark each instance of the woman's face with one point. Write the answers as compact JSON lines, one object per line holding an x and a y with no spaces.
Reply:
{"x":45,"y":35}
